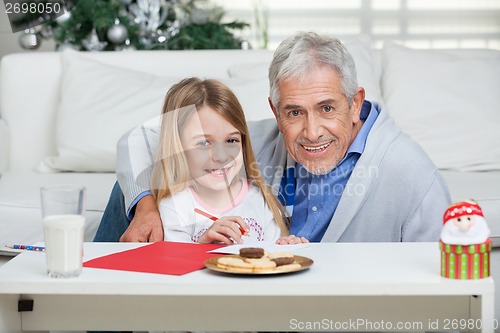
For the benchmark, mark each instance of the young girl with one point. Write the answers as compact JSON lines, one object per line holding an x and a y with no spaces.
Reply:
{"x":206,"y":180}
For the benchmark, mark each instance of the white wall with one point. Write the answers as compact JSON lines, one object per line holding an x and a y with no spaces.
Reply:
{"x":415,"y":23}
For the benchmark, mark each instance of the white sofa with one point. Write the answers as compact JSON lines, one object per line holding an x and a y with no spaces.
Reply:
{"x":62,"y":113}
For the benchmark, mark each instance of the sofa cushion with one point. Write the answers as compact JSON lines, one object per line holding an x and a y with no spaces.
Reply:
{"x":361,"y":51}
{"x":20,"y":212}
{"x":252,"y":94}
{"x":100,"y":102}
{"x":446,"y":102}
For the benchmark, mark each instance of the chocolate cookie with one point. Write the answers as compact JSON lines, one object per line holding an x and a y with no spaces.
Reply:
{"x":283,"y":261}
{"x":252,"y":252}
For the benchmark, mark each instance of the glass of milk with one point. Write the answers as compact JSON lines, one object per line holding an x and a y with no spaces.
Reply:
{"x":63,"y":209}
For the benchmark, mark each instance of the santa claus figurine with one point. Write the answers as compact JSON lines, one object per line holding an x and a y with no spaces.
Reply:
{"x":465,"y":242}
{"x":464,"y":224}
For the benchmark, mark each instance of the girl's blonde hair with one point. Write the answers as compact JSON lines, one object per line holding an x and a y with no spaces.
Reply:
{"x":171,"y":172}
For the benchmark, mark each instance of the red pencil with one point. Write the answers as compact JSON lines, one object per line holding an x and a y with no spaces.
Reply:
{"x":214,"y":218}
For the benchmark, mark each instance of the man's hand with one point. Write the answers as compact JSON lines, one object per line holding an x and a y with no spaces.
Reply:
{"x":146,"y":225}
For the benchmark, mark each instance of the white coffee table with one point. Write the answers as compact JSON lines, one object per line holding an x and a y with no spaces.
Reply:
{"x":363,"y":286}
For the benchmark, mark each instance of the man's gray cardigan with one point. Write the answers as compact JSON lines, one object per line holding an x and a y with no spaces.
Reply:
{"x":395,"y":192}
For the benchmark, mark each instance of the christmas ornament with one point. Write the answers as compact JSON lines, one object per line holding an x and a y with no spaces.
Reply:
{"x":117,"y":33}
{"x":465,"y":244}
{"x":174,"y":28}
{"x":65,"y":46}
{"x":46,"y":32}
{"x":128,"y":46}
{"x":92,"y":42}
{"x":150,"y":14}
{"x":64,"y":17}
{"x":245,"y":45}
{"x":162,"y":37}
{"x":29,"y":40}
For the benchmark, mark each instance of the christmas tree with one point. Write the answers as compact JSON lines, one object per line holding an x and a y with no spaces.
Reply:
{"x":97,"y":25}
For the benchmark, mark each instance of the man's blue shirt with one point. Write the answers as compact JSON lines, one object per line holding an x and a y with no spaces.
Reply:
{"x":316,"y":198}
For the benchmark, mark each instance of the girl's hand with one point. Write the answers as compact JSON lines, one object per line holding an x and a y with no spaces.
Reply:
{"x":227,"y":230}
{"x":292,"y":239}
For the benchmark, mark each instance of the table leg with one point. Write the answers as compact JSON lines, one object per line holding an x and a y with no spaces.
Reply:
{"x":10,"y":319}
{"x":488,"y":313}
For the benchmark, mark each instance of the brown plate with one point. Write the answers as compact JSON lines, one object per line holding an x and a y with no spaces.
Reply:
{"x":211,"y":264}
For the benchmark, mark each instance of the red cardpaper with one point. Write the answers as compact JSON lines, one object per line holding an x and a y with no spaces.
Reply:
{"x":161,"y":258}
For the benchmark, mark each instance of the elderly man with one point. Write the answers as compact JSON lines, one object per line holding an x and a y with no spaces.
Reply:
{"x":342,"y":168}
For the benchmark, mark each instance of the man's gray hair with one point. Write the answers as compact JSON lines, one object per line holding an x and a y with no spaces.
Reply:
{"x":304,"y":51}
